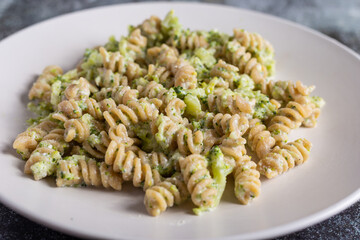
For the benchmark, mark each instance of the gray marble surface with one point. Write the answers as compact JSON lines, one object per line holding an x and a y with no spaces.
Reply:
{"x":339,"y":19}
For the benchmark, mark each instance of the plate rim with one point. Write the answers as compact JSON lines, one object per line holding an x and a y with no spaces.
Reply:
{"x":281,"y":230}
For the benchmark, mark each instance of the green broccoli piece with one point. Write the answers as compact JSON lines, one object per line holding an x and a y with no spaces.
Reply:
{"x":170,"y":26}
{"x":180,"y":92}
{"x":112,"y":45}
{"x":220,"y":170}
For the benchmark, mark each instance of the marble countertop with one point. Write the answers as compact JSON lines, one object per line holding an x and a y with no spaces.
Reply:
{"x":335,"y":18}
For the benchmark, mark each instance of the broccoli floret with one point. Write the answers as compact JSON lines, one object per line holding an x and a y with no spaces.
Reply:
{"x":193,"y":105}
{"x":112,"y":45}
{"x":180,"y":92}
{"x":170,"y":26}
{"x":220,"y":170}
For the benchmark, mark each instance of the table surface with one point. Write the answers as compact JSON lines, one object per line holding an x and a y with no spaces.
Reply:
{"x":335,"y":18}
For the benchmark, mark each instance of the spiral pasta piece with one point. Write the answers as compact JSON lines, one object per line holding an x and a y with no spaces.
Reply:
{"x":247,"y":180}
{"x":153,"y":89}
{"x":286,"y":91}
{"x":289,"y":118}
{"x":133,"y":71}
{"x":166,"y":56}
{"x":42,"y":161}
{"x":163,"y":165}
{"x":281,"y":159}
{"x":41,"y":89}
{"x":133,"y":112}
{"x":121,"y":114}
{"x":120,"y":94}
{"x":226,"y":124}
{"x":151,"y":29}
{"x":107,"y":78}
{"x":78,"y":169}
{"x":198,"y":180}
{"x":211,"y":138}
{"x":27,"y":141}
{"x":165,"y":194}
{"x":259,"y":139}
{"x":165,"y":131}
{"x":79,"y":90}
{"x":174,"y":110}
{"x":185,"y":75}
{"x":316,"y":104}
{"x":160,"y":74}
{"x":238,"y":56}
{"x":96,"y":144}
{"x":75,"y":109}
{"x":189,"y":41}
{"x":150,"y":26}
{"x":113,"y":61}
{"x":311,"y":121}
{"x":119,"y":134}
{"x":160,"y":161}
{"x":252,"y":41}
{"x":216,"y":85}
{"x":68,"y":109}
{"x":145,"y":109}
{"x":228,"y":103}
{"x":131,"y":166}
{"x":189,"y":142}
{"x":79,"y":129}
{"x":226,"y":71}
{"x":233,"y":148}
{"x":137,"y":42}
{"x":258,"y":47}
{"x":117,"y":63}
{"x":107,"y":104}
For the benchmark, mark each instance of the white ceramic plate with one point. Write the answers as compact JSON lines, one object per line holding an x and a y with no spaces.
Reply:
{"x":325,"y":185}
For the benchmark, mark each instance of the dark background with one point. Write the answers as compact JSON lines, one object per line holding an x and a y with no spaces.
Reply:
{"x":339,"y":19}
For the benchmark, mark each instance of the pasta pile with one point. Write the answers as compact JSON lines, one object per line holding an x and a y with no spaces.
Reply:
{"x":171,"y":110}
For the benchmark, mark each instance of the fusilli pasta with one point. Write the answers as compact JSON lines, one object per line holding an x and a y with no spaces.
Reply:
{"x":44,"y":158}
{"x":198,"y":180}
{"x":289,"y":117}
{"x":165,"y":194}
{"x":280,"y":159}
{"x":78,"y":169}
{"x":247,"y":180}
{"x":27,"y":141}
{"x":172,"y":110}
